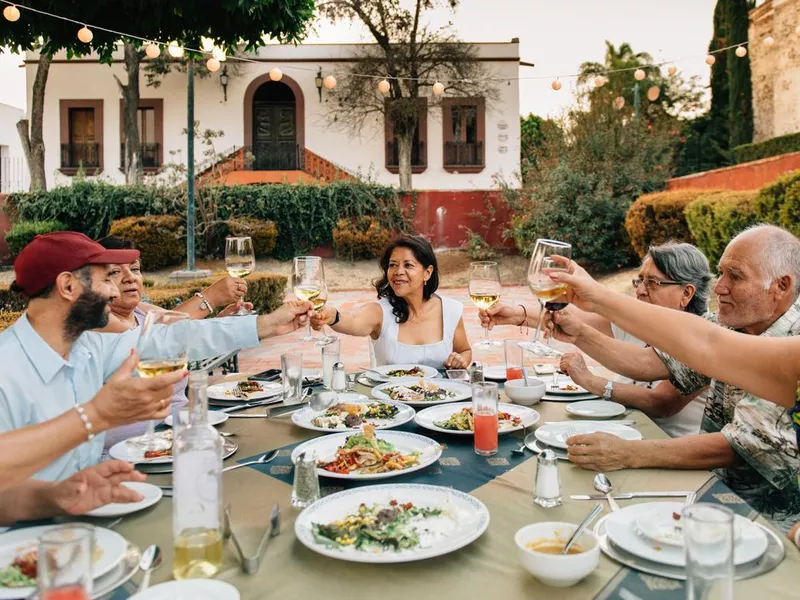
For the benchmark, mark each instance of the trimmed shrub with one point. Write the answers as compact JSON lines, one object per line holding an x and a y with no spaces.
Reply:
{"x":772,"y":147}
{"x":11,"y":301}
{"x":23,"y":232}
{"x":659,"y":217}
{"x":7,"y":319}
{"x":159,"y":239}
{"x":263,"y":233}
{"x":779,"y":203}
{"x":360,"y":238}
{"x":714,"y":220}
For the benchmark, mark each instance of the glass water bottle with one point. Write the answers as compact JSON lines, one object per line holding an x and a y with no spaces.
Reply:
{"x":197,"y":489}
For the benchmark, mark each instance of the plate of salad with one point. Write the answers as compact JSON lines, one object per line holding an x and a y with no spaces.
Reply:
{"x":383,"y":524}
{"x":457,"y":418}
{"x":370,"y":455}
{"x":351,"y":412}
{"x":422,"y":392}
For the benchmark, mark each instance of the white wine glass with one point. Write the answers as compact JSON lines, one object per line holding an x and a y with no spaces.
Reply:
{"x":484,"y":291}
{"x":319,"y":303}
{"x":157,"y":357}
{"x":549,"y":293}
{"x":308,"y":282}
{"x":240,"y":261}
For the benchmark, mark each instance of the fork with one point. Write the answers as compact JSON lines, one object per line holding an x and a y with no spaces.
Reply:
{"x":522,"y":447}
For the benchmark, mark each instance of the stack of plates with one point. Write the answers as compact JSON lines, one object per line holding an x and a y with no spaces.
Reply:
{"x":221,"y":394}
{"x":645,"y":536}
{"x":554,"y":436}
{"x":567,"y":390}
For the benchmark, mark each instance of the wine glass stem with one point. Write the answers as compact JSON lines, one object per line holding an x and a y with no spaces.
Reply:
{"x":485,"y":334}
{"x":539,"y":321}
{"x":308,"y":329}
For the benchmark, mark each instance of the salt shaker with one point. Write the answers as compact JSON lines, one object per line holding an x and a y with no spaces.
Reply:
{"x":305,"y":490}
{"x":476,"y":373}
{"x":339,"y":383}
{"x":548,"y":483}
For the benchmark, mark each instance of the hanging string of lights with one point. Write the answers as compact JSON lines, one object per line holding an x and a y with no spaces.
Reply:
{"x":216,"y":56}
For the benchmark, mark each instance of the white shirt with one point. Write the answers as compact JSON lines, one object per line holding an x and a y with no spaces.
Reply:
{"x":37,"y":384}
{"x":387,"y":350}
{"x":687,"y":421}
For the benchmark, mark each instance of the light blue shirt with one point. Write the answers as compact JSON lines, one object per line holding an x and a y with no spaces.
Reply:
{"x":37,"y":384}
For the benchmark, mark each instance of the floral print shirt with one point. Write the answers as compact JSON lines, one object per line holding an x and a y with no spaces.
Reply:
{"x":763,"y":434}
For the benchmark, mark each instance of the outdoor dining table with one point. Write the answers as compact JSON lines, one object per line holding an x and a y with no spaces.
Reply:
{"x":488,"y":568}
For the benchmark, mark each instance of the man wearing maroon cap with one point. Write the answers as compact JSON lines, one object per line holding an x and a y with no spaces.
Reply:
{"x":53,"y":363}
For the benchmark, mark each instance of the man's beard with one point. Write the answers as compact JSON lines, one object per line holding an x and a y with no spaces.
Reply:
{"x":88,"y":312}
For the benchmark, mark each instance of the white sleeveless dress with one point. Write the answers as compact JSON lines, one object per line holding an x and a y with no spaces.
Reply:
{"x":387,"y":350}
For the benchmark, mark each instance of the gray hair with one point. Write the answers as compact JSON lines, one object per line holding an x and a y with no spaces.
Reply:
{"x":686,"y":264}
{"x":779,"y":253}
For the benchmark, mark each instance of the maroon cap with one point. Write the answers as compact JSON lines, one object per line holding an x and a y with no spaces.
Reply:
{"x":47,"y":256}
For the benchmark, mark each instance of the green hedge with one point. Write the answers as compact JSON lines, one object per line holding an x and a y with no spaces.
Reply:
{"x":264,"y":234}
{"x":772,"y":147}
{"x":360,"y":238}
{"x":23,"y":232}
{"x":159,"y":238}
{"x":779,"y":203}
{"x":714,"y":219}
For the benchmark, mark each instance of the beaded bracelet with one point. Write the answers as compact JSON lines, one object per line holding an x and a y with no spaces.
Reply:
{"x":524,"y":324}
{"x":87,"y":424}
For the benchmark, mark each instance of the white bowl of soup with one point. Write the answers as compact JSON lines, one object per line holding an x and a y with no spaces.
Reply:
{"x":540,"y":545}
{"x":528,"y":395}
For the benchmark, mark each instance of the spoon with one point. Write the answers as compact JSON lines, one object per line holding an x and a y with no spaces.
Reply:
{"x":226,"y":434}
{"x":150,"y":561}
{"x":603,"y":484}
{"x":584,"y":524}
{"x":265,"y":458}
{"x":522,"y":447}
{"x":320,"y":401}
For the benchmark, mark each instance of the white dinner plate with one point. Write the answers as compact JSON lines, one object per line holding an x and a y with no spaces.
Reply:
{"x":152,"y":494}
{"x":305,"y":417}
{"x":660,"y":525}
{"x":464,"y":518}
{"x":110,"y":548}
{"x":457,"y":390}
{"x":224,"y":391}
{"x":567,"y":398}
{"x":127,"y":452}
{"x":595,"y":409}
{"x":194,"y":589}
{"x":215,"y":417}
{"x":556,"y":434}
{"x":429,"y":372}
{"x":430,"y":416}
{"x":564,"y":382}
{"x":324,"y":448}
{"x":622,"y":530}
{"x":495,"y":373}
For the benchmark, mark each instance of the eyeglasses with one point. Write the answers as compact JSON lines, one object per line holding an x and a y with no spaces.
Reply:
{"x":652,"y":284}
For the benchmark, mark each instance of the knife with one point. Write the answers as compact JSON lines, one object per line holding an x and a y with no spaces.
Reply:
{"x":279,"y":411}
{"x":247,"y":405}
{"x":633,"y":495}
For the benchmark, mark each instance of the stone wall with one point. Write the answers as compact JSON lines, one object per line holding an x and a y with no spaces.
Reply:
{"x":775,"y":68}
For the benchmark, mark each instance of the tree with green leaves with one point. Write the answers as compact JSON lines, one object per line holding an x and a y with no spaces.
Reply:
{"x":411,"y":56}
{"x":717,"y":134}
{"x":740,"y":89}
{"x":231,"y":24}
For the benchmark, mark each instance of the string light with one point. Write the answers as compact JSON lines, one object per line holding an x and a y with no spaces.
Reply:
{"x":556,"y":85}
{"x":329,"y":82}
{"x":672,"y":69}
{"x":639,"y":74}
{"x":275,"y":74}
{"x":438,"y":88}
{"x":619,"y":102}
{"x":152,"y":50}
{"x":383,"y":86}
{"x":206,"y":44}
{"x":85,"y":34}
{"x":212,"y":64}
{"x":711,"y":59}
{"x":599,"y":81}
{"x":769,"y":41}
{"x":653,"y":93}
{"x":11,"y":13}
{"x":175,"y":51}
{"x":741,"y":51}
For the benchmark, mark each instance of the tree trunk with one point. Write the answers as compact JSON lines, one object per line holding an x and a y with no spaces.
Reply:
{"x":130,"y":121}
{"x":33,"y":139}
{"x":404,"y":147}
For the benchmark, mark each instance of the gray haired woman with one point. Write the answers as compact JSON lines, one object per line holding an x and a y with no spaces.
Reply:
{"x":673,"y":275}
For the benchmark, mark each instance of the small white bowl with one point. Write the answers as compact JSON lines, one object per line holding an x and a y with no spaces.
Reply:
{"x":557,"y":570}
{"x":526,"y":396}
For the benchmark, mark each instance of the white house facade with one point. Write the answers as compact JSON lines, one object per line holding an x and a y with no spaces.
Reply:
{"x":13,"y":169}
{"x":462,"y":143}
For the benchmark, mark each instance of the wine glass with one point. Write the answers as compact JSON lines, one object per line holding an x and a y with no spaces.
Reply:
{"x":549,"y":293}
{"x":157,"y":357}
{"x":240,"y":261}
{"x":319,"y":303}
{"x":308,"y":283}
{"x":484,"y":291}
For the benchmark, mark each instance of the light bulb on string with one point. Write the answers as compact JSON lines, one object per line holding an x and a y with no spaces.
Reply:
{"x":556,"y":85}
{"x":653,"y":93}
{"x":85,"y":34}
{"x":212,"y":64}
{"x":599,"y":81}
{"x":619,"y":102}
{"x":275,"y":74}
{"x":152,"y":50}
{"x":11,"y":13}
{"x":639,"y":74}
{"x":174,"y":50}
{"x":438,"y":88}
{"x":711,"y":59}
{"x":329,"y":82}
{"x":740,"y":51}
{"x":206,"y":44}
{"x":769,"y":41}
{"x":383,"y":86}
{"x":672,"y":69}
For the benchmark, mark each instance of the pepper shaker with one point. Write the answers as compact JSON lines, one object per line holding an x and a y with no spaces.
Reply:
{"x":548,"y":482}
{"x":305,"y":488}
{"x":339,"y":383}
{"x":476,"y":373}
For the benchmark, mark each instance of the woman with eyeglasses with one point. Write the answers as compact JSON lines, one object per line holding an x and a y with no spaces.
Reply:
{"x":672,"y":275}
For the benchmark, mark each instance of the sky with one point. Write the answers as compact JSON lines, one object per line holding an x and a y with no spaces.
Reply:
{"x":557,"y":36}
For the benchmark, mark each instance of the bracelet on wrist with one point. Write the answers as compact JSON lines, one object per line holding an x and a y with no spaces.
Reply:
{"x":524,"y":324}
{"x":87,"y":424}
{"x":204,"y":303}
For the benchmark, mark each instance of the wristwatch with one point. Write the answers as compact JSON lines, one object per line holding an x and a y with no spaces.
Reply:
{"x":607,"y":391}
{"x":336,"y":319}
{"x":205,"y":304}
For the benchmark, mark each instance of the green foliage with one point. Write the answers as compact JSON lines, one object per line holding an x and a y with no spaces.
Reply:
{"x":160,"y":239}
{"x":7,"y":318}
{"x":263,"y":233}
{"x":779,"y":203}
{"x":24,"y":231}
{"x":360,"y":238}
{"x":11,"y":301}
{"x":782,"y":144}
{"x":740,"y":90}
{"x":659,"y":217}
{"x":714,"y":219}
{"x":477,"y":247}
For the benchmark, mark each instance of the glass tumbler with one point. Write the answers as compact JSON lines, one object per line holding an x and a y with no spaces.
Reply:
{"x":708,"y":542}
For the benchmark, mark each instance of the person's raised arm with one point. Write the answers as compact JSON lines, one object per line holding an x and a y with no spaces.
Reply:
{"x":366,"y":320}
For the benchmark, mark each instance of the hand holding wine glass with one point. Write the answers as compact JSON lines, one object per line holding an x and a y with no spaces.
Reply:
{"x":240,"y":261}
{"x":484,"y":291}
{"x":308,"y":283}
{"x":550,"y":294}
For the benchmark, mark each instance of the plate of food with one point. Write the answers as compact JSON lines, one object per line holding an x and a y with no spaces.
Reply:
{"x":19,"y":557}
{"x":457,"y":418}
{"x":565,"y":387}
{"x":423,"y":392}
{"x":384,"y":524}
{"x":157,"y":461}
{"x":402,"y":372}
{"x":367,"y":455}
{"x":351,"y":412}
{"x":244,"y":391}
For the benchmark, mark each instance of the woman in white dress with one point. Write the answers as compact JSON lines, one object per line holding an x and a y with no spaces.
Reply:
{"x":410,"y":323}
